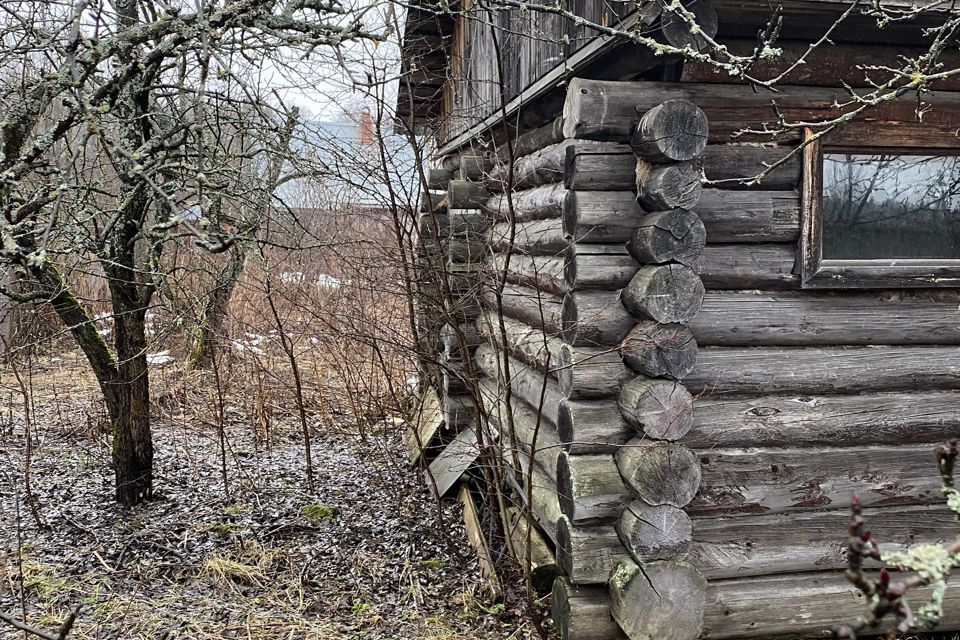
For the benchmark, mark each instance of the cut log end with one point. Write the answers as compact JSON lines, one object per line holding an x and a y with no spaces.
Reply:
{"x":673,"y":131}
{"x":660,"y":409}
{"x":663,"y":600}
{"x":669,"y":186}
{"x":660,"y":350}
{"x":665,"y":293}
{"x":660,"y":472}
{"x":653,"y":533}
{"x":676,"y":235}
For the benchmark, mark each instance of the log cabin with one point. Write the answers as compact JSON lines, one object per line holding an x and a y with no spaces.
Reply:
{"x":708,"y":318}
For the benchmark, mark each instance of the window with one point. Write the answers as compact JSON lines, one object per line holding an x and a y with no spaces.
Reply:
{"x":880,"y":217}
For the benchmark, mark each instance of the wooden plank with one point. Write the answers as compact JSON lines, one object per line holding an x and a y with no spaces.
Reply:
{"x":731,"y":371}
{"x":427,"y":422}
{"x":768,"y":480}
{"x":824,"y":420}
{"x":448,"y":467}
{"x":797,"y":606}
{"x":471,"y":521}
{"x":730,"y":547}
{"x":755,"y":318}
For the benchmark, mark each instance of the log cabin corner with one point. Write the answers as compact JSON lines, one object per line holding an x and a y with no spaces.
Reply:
{"x":703,"y":368}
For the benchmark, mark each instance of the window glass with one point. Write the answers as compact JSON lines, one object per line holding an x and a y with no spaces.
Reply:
{"x":884,"y":207}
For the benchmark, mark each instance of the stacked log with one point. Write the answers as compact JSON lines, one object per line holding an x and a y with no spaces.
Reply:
{"x":655,"y":592}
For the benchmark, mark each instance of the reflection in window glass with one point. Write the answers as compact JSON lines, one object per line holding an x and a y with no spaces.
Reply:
{"x":883,"y":207}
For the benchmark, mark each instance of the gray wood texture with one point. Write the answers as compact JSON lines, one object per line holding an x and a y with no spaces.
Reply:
{"x":658,"y":408}
{"x":598,"y":266}
{"x":769,"y":480}
{"x":462,"y":194}
{"x":595,"y":318}
{"x":530,"y":306}
{"x":668,"y":186}
{"x":733,"y":166}
{"x":675,"y":235}
{"x":588,"y":553}
{"x":660,"y":472}
{"x":660,"y":350}
{"x":744,"y":266}
{"x":726,"y":371}
{"x":590,"y":488}
{"x":652,"y":533}
{"x":450,"y":465}
{"x":598,"y":167}
{"x":592,"y":426}
{"x":583,"y":612}
{"x":753,"y":318}
{"x":672,"y":131}
{"x":665,"y":293}
{"x":538,"y":203}
{"x":535,"y":237}
{"x":662,"y":600}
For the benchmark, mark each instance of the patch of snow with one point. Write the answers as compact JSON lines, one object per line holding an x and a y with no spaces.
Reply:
{"x":162,"y":357}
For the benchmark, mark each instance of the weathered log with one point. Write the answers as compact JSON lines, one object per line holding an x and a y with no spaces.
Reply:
{"x":672,"y":131}
{"x":750,"y":216}
{"x":858,"y":420}
{"x":681,"y":34}
{"x":660,"y":350}
{"x":543,"y":166}
{"x":652,"y":533}
{"x":660,"y":409}
{"x":590,"y":488}
{"x":522,"y":427}
{"x":474,"y":168}
{"x":607,"y":110}
{"x":592,"y":426}
{"x":739,"y":266}
{"x":545,"y":273}
{"x":734,"y":166}
{"x":583,"y":612}
{"x":535,"y":308}
{"x":798,"y":605}
{"x":588,"y":554}
{"x":660,"y":472}
{"x":728,"y":216}
{"x":438,"y":177}
{"x":530,"y":549}
{"x":467,"y":221}
{"x":598,"y":167}
{"x":598,"y":266}
{"x":756,"y":481}
{"x":537,"y":389}
{"x":664,"y":600}
{"x":539,"y":203}
{"x":601,"y":217}
{"x":595,"y":318}
{"x":816,"y":370}
{"x":536,"y":237}
{"x":462,"y":194}
{"x":580,"y":372}
{"x":531,"y":141}
{"x":730,"y":547}
{"x":541,"y":490}
{"x":668,"y":186}
{"x":665,"y":293}
{"x":676,"y":235}
{"x":752,"y":318}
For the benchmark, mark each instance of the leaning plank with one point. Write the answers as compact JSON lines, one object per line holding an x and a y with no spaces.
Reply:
{"x":805,"y":606}
{"x":583,"y":612}
{"x":427,"y":422}
{"x":823,"y":370}
{"x":662,"y":600}
{"x":730,"y":547}
{"x":590,"y":488}
{"x":607,"y":110}
{"x":888,"y":317}
{"x":588,"y":554}
{"x":825,"y":420}
{"x":471,"y":521}
{"x":453,"y":461}
{"x":757,"y":481}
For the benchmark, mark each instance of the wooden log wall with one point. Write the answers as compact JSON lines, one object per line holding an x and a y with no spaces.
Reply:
{"x":799,"y":398}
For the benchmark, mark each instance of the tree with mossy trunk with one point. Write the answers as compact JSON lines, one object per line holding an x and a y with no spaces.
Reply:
{"x":115,"y":141}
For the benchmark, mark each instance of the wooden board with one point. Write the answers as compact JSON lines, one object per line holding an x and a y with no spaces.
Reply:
{"x":427,"y":421}
{"x":448,"y":467}
{"x":471,"y":521}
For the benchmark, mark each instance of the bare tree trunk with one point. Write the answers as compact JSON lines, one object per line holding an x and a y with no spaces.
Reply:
{"x":215,"y":311}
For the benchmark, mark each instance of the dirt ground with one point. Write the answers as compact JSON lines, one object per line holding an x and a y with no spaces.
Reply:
{"x":362,"y":556}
